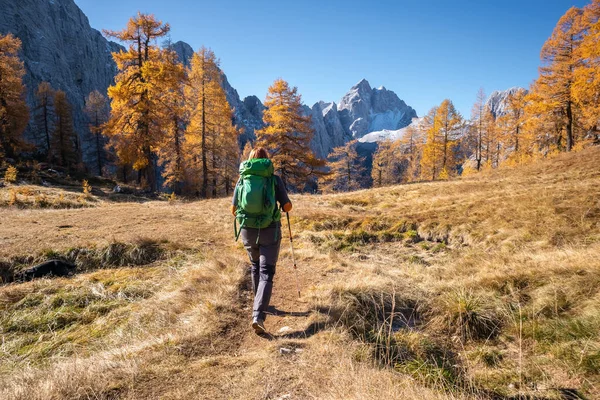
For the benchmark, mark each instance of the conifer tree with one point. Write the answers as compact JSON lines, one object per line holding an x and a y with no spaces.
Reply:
{"x":64,"y":144}
{"x":171,"y":78}
{"x":135,"y":123}
{"x":287,"y":136}
{"x":511,"y":125}
{"x":211,"y":144}
{"x":96,"y":109}
{"x":559,"y":61}
{"x":431,"y":160}
{"x":14,"y":114}
{"x":477,"y":130}
{"x":45,"y":113}
{"x":586,"y":85}
{"x":346,"y":169}
{"x":411,"y":144}
{"x":450,"y":122}
{"x":385,"y":169}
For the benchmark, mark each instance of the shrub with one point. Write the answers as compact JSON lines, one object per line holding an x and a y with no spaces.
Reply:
{"x":10,"y":176}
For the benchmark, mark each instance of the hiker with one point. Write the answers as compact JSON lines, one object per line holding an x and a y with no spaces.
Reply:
{"x":258,"y":199}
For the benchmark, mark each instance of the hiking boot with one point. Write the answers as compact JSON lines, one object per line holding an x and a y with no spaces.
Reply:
{"x":259,"y":326}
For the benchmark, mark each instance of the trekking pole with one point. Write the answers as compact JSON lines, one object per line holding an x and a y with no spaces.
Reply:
{"x":293,"y":256}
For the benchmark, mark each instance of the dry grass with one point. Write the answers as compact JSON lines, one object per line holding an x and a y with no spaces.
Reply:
{"x":485,"y":287}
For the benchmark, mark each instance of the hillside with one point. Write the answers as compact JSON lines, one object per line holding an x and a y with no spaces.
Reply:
{"x":481,"y":287}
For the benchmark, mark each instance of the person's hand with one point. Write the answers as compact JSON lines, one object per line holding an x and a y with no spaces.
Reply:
{"x":233,"y":209}
{"x":287,"y":207}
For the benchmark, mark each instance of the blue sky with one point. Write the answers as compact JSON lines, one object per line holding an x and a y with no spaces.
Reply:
{"x":425,"y":51}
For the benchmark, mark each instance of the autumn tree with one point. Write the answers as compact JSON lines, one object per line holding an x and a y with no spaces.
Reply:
{"x":410,"y":148}
{"x":386,"y":164}
{"x":450,"y":124}
{"x":477,"y":127}
{"x":211,"y":136}
{"x":287,"y":136}
{"x":135,"y":123}
{"x":65,"y":143}
{"x":170,"y":77}
{"x":586,"y":85}
{"x":431,"y":160}
{"x":346,"y":169}
{"x":14,"y":114}
{"x":45,"y":113}
{"x":510,"y":124}
{"x":96,"y":109}
{"x":559,"y":61}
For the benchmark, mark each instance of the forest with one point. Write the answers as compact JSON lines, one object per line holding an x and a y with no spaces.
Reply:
{"x":167,"y":127}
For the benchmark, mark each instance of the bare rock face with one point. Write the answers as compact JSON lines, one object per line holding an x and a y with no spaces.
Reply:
{"x":60,"y":47}
{"x":497,"y":101}
{"x":328,"y":130}
{"x":364,"y":109}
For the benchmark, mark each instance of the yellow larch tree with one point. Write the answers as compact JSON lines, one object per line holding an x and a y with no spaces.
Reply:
{"x":135,"y":124}
{"x":431,"y":160}
{"x":211,"y":138}
{"x":386,"y":163}
{"x":559,"y":61}
{"x":14,"y":114}
{"x":168,"y":85}
{"x":346,"y":169}
{"x":410,"y":148}
{"x":450,"y":124}
{"x":510,"y":127}
{"x":476,"y":133}
{"x":287,"y":136}
{"x":586,"y":85}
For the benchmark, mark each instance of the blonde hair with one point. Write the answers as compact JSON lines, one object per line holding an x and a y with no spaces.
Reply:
{"x":258,"y":152}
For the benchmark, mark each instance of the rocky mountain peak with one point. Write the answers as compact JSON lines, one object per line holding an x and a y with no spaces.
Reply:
{"x":497,"y":102}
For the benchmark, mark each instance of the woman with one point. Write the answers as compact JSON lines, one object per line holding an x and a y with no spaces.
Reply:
{"x":260,"y":230}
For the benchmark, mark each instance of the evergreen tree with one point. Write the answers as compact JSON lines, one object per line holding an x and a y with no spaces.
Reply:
{"x":135,"y":122}
{"x":45,"y":113}
{"x":96,"y":109}
{"x":14,"y":114}
{"x":346,"y":169}
{"x":65,"y":143}
{"x":287,"y":136}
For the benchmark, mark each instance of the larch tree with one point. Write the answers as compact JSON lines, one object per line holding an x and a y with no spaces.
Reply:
{"x":135,"y":122}
{"x":210,"y":134}
{"x":586,"y":85}
{"x":171,"y":78}
{"x":65,"y":143}
{"x":287,"y":135}
{"x":386,"y":164}
{"x":559,"y":61}
{"x":96,"y":109}
{"x":489,"y":140}
{"x":431,"y":160}
{"x":450,"y":124}
{"x":511,"y":125}
{"x":14,"y":114}
{"x":410,"y":149}
{"x":477,"y":128}
{"x":45,"y":113}
{"x":346,"y":169}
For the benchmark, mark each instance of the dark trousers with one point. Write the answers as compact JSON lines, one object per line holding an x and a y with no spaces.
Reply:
{"x":263,"y":250}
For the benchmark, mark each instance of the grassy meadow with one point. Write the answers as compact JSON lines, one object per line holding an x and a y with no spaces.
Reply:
{"x":485,"y":287}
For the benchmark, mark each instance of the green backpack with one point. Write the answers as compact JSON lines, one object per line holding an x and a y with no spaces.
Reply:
{"x":256,"y":204}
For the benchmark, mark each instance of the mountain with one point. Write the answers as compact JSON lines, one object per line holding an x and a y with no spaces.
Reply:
{"x":360,"y":112}
{"x":60,"y":47}
{"x":497,"y":102}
